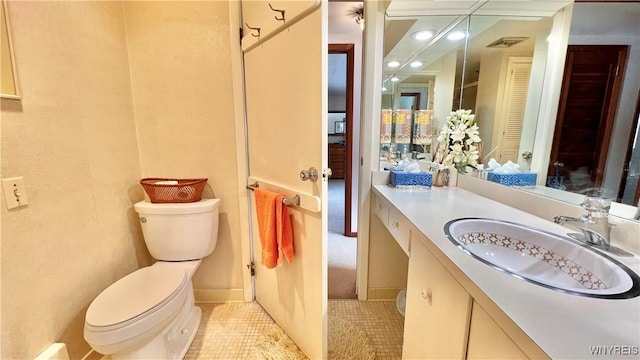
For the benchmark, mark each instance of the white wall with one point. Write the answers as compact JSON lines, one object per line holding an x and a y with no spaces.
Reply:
{"x":112,"y":91}
{"x":72,"y":137}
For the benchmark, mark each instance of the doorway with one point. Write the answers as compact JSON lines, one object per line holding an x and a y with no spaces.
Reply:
{"x":342,"y":244}
{"x":588,"y":101}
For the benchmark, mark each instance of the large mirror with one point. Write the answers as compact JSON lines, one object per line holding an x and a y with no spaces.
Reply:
{"x":423,"y":55}
{"x":500,"y":71}
{"x":595,"y":136}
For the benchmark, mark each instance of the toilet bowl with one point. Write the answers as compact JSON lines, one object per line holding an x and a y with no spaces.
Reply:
{"x":154,"y":302}
{"x":150,"y":313}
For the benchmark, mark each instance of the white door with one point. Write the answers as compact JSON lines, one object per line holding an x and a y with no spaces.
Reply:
{"x":286,"y":107}
{"x":514,"y":103}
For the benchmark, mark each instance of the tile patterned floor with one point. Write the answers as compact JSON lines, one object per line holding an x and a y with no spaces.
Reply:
{"x":228,"y":331}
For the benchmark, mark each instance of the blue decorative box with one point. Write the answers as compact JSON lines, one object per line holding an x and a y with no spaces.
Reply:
{"x":513,"y":179}
{"x":401,"y":178}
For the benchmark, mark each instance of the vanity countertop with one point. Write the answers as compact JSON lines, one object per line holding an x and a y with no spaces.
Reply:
{"x":565,"y":326}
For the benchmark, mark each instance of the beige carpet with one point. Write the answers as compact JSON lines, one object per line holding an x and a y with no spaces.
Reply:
{"x":342,"y":249}
{"x":346,"y":341}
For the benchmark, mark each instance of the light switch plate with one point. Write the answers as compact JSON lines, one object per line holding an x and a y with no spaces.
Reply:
{"x":15,"y":193}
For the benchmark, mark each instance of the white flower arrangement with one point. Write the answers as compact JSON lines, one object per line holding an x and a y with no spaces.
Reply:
{"x":459,"y":141}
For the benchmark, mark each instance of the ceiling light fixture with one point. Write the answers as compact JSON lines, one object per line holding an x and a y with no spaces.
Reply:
{"x":393,"y":64}
{"x":384,"y":88}
{"x":360,"y":17}
{"x":423,"y":35}
{"x":416,"y":64}
{"x":456,"y":35}
{"x":395,"y":78}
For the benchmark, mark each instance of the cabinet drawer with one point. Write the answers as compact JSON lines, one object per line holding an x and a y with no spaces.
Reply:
{"x":382,"y":210}
{"x":399,"y":227}
{"x":337,"y":157}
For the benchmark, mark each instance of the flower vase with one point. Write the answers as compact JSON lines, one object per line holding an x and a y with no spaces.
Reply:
{"x":439,"y":177}
{"x":447,"y":176}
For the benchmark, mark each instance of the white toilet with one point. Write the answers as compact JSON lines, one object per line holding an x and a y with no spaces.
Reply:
{"x":150,"y":313}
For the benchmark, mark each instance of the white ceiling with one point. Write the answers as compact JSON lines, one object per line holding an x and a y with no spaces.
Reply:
{"x":408,"y":17}
{"x":341,"y":22}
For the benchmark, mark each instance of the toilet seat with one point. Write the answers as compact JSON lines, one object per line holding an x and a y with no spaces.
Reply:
{"x":140,"y":301}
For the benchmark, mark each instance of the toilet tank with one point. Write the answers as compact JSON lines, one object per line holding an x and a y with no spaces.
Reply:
{"x":179,"y":231}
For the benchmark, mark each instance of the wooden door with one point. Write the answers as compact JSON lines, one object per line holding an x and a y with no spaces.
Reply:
{"x":589,"y":98}
{"x":286,"y":107}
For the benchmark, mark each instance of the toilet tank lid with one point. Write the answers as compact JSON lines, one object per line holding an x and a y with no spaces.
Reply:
{"x":202,"y":206}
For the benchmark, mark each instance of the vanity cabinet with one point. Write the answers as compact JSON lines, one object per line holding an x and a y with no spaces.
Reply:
{"x":259,"y":15}
{"x":437,"y":310}
{"x":446,"y":315}
{"x":487,"y":340}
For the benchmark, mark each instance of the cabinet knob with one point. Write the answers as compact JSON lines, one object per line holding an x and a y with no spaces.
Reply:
{"x":395,"y":224}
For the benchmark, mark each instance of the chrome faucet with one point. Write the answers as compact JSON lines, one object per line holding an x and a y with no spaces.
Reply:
{"x":594,"y":222}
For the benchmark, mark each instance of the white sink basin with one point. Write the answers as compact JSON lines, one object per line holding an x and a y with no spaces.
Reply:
{"x":543,"y":258}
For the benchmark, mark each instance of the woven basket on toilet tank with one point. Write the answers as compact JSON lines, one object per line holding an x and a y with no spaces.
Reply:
{"x":173,"y":190}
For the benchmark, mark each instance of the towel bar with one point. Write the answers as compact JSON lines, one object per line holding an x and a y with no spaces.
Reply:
{"x":294,"y":201}
{"x":302,"y":200}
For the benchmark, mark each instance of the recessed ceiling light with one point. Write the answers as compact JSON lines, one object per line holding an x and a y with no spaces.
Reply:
{"x":394,"y":79}
{"x":423,"y":35}
{"x":416,"y":64}
{"x":393,"y":64}
{"x":456,"y":35}
{"x":384,"y":88}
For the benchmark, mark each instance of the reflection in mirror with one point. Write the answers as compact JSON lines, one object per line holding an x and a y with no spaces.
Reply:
{"x":615,"y":171}
{"x":485,"y":88}
{"x":498,"y":87}
{"x":599,"y":117}
{"x":420,"y":58}
{"x":9,"y":84}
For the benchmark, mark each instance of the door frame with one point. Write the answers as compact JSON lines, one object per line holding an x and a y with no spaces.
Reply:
{"x":347,"y":49}
{"x":627,"y":160}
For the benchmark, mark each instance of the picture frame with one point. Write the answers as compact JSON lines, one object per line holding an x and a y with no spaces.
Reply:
{"x":339,"y":127}
{"x":9,"y":87}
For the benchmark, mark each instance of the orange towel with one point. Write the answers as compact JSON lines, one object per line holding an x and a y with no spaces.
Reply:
{"x":274,"y":226}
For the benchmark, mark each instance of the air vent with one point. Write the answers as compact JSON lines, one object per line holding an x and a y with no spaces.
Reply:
{"x":506,"y":42}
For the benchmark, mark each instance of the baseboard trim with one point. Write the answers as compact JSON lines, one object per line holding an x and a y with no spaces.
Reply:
{"x":218,"y":295}
{"x":382,"y":294}
{"x":94,"y":355}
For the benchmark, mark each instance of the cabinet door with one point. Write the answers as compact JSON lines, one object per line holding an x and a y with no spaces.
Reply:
{"x":487,"y":340}
{"x":437,"y":310}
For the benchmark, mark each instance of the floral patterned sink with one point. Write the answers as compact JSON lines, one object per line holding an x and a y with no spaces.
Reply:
{"x":543,"y":258}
